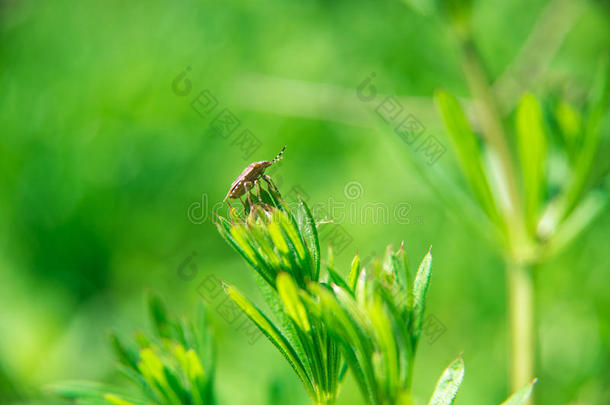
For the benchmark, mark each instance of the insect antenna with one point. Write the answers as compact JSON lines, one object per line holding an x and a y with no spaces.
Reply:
{"x":279,"y":155}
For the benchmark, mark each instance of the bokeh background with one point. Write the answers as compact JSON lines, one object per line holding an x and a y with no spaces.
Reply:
{"x":101,"y":158}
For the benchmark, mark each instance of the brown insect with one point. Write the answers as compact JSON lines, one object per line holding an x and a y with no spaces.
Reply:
{"x":251,"y":177}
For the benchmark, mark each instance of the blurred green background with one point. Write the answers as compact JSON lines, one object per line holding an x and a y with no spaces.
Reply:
{"x":100,"y":161}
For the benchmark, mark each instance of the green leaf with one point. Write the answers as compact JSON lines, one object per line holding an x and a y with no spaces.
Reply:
{"x":252,"y":258}
{"x":569,"y":121}
{"x":117,"y":400}
{"x":420,"y":290}
{"x":285,"y":324}
{"x":310,"y":234}
{"x":273,"y":334}
{"x":532,"y":148}
{"x":401,"y":264}
{"x":598,"y":103}
{"x":468,"y":152}
{"x":124,"y":354}
{"x":521,"y":396}
{"x":583,"y":216}
{"x":354,"y":272}
{"x":384,"y":333}
{"x":449,"y":383}
{"x":337,"y":279}
{"x":160,"y":318}
{"x":289,"y":294}
{"x":89,"y":392}
{"x":350,"y":327}
{"x":78,"y":389}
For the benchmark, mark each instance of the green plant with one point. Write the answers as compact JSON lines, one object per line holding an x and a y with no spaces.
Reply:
{"x":377,"y":317}
{"x":374,"y":318}
{"x":173,"y":366}
{"x":532,"y":222}
{"x":272,"y":240}
{"x":531,"y":214}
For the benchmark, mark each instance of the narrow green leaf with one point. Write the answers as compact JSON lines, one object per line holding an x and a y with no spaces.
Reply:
{"x":449,"y":383}
{"x":569,"y":121}
{"x":337,"y":279}
{"x":420,"y":290}
{"x":284,"y":322}
{"x":310,"y":232}
{"x":467,"y":149}
{"x":273,"y":334}
{"x":384,"y":333}
{"x":520,"y":397}
{"x":350,"y":327}
{"x":532,"y":146}
{"x":598,"y":103}
{"x":401,"y":333}
{"x":138,"y":379}
{"x":582,"y":217}
{"x":401,"y":264}
{"x":124,"y":354}
{"x":252,"y":257}
{"x":78,"y":389}
{"x":159,"y":316}
{"x":117,"y":400}
{"x":89,"y":392}
{"x":289,"y":294}
{"x":354,"y":272}
{"x":176,"y":388}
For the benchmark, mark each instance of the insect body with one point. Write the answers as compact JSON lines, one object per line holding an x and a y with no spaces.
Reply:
{"x":251,"y":176}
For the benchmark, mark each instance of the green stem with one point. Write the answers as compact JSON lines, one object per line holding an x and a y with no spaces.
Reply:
{"x":489,"y":116}
{"x":521,"y":323}
{"x":494,"y":134}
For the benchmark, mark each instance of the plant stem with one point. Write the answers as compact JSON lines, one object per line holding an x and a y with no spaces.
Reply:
{"x":519,"y":275}
{"x":521,"y":323}
{"x":492,"y":128}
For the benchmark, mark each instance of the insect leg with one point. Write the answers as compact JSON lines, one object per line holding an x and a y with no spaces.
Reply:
{"x":248,"y":187}
{"x":270,"y":182}
{"x":260,"y":190}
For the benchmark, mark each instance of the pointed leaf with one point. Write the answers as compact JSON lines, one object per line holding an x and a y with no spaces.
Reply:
{"x":354,"y":272}
{"x":598,"y":103}
{"x":124,"y":354}
{"x":420,"y":290}
{"x":272,"y":333}
{"x":467,"y":149}
{"x":448,"y":385}
{"x":289,"y":294}
{"x":520,"y":397}
{"x":310,"y":233}
{"x":531,"y":145}
{"x":162,"y":323}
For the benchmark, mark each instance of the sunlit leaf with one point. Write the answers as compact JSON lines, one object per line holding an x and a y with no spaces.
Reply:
{"x":354,"y":272}
{"x":289,"y":293}
{"x":420,"y":290}
{"x":531,"y":145}
{"x":449,"y":383}
{"x":598,"y":104}
{"x":520,"y":397}
{"x":272,"y":333}
{"x":467,"y":151}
